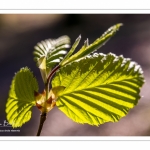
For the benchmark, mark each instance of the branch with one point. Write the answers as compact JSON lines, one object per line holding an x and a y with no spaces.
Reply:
{"x":42,"y":120}
{"x":44,"y":114}
{"x":52,"y":73}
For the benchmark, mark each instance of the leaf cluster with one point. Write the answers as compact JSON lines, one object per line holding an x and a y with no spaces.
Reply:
{"x":88,"y":87}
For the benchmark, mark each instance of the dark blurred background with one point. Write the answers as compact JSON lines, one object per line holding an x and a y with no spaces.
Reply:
{"x":19,"y":33}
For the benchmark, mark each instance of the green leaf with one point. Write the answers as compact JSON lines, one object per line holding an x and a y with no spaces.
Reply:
{"x":71,"y":50}
{"x":50,"y":52}
{"x":21,"y":97}
{"x":98,"y":88}
{"x":87,"y":49}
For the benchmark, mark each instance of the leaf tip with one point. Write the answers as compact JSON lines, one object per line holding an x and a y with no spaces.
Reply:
{"x":86,"y":43}
{"x":79,"y":38}
{"x":119,"y":25}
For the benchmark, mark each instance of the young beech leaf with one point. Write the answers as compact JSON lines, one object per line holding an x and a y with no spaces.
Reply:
{"x":21,"y":97}
{"x":98,"y":88}
{"x":87,"y":49}
{"x":49,"y":52}
{"x":71,"y":50}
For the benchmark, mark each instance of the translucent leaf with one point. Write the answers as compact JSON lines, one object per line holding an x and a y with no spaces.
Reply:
{"x":21,"y":97}
{"x":87,"y":49}
{"x":98,"y":88}
{"x":50,"y":52}
{"x":71,"y":50}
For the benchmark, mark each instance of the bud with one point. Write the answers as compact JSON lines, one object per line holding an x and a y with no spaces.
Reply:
{"x":49,"y":101}
{"x":38,"y":106}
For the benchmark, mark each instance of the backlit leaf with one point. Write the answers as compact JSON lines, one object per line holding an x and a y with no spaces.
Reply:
{"x":50,"y":52}
{"x":98,"y":88}
{"x":21,"y":97}
{"x":71,"y":50}
{"x":87,"y":49}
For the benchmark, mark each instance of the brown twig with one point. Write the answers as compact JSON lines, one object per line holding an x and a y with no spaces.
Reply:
{"x":44,"y":114}
{"x":42,"y":120}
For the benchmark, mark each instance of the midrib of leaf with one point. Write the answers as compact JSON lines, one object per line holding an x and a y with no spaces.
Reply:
{"x":90,"y":72}
{"x":107,"y":68}
{"x":117,"y":80}
{"x":106,"y":86}
{"x":102,"y":86}
{"x":76,"y":99}
{"x":103,"y":94}
{"x":121,"y":102}
{"x":114,"y":105}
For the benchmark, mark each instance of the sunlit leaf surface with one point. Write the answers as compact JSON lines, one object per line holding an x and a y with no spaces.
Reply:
{"x":87,"y":49}
{"x":21,"y":97}
{"x":99,"y":88}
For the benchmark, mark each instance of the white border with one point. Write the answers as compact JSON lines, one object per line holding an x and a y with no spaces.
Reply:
{"x":75,"y":145}
{"x":77,"y":7}
{"x":75,"y":138}
{"x":74,"y":4}
{"x":76,"y":11}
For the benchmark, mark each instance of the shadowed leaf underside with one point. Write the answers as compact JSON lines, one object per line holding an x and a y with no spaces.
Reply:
{"x":50,"y":52}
